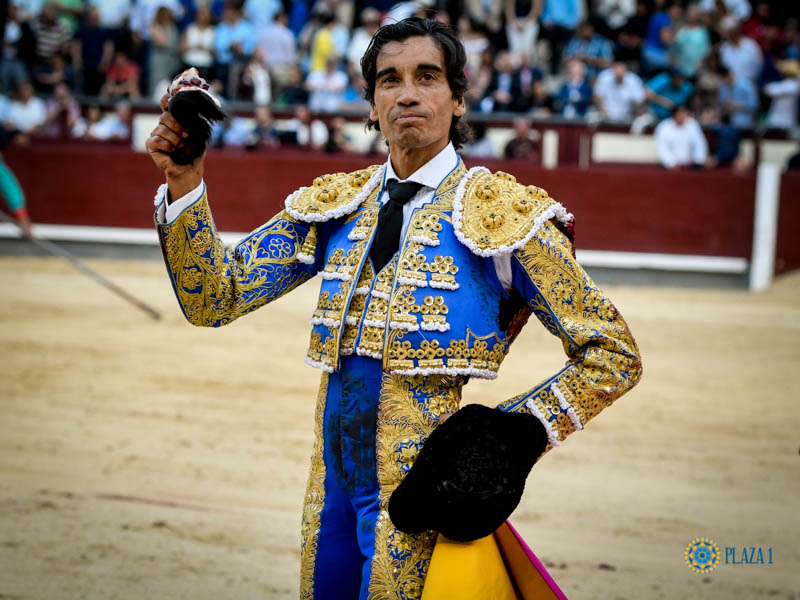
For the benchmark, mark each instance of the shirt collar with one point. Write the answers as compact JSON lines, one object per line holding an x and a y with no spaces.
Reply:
{"x":432,"y":172}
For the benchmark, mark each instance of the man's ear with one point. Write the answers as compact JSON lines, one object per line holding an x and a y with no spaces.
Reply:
{"x":373,"y":113}
{"x":460,"y":107}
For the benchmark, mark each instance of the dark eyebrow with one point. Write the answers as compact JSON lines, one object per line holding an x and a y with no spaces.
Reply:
{"x":420,"y":67}
{"x":426,"y":67}
{"x":383,"y":72}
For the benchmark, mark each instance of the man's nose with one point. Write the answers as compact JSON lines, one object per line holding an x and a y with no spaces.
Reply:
{"x":409,"y":94}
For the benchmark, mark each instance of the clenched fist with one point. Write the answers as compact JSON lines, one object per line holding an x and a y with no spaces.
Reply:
{"x":165,"y":139}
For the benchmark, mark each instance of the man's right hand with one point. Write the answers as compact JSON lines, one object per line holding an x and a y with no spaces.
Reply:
{"x":164,"y":139}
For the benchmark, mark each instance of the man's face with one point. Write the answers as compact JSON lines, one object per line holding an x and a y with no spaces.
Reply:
{"x":413,"y":102}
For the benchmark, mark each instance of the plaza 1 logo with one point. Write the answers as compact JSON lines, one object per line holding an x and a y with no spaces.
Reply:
{"x":702,"y":555}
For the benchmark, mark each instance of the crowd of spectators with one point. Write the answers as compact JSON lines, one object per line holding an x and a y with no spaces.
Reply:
{"x":730,"y":64}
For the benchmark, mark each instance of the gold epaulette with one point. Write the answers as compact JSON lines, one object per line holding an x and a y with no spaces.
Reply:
{"x":332,"y":196}
{"x":493,"y":214}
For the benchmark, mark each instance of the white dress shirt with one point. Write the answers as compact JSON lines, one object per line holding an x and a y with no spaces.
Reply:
{"x":679,"y":145}
{"x":430,"y":175}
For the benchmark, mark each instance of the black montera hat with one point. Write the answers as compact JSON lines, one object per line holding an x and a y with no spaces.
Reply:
{"x":469,"y":476}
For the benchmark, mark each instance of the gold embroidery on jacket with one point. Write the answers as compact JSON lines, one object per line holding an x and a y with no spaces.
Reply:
{"x":408,"y":412}
{"x":215,"y":286}
{"x":603,"y":357}
{"x":314,"y":499}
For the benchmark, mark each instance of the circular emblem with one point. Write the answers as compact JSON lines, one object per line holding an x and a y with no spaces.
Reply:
{"x":701,"y":555}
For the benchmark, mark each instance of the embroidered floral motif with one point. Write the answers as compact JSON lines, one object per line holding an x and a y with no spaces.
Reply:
{"x":405,"y":420}
{"x":215,"y":286}
{"x":603,"y":357}
{"x":314,"y":499}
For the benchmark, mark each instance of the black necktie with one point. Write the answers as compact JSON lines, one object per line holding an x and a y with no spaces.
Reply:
{"x":390,"y":222}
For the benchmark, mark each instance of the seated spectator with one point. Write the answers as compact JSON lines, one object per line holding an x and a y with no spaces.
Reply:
{"x":666,"y":91}
{"x":122,"y":79}
{"x":47,"y":76}
{"x":236,"y":131}
{"x":326,"y":88}
{"x":63,"y":113}
{"x":234,"y":43}
{"x":631,"y":37}
{"x":660,"y":33}
{"x":164,"y":61}
{"x":279,"y":47}
{"x":255,"y":85}
{"x":784,"y":94}
{"x":560,"y":19}
{"x":26,"y":115}
{"x":479,"y":80}
{"x":353,"y":96}
{"x":304,"y":131}
{"x":739,"y":9}
{"x":680,"y":141}
{"x":110,"y":127}
{"x":92,"y":52}
{"x":261,"y":13}
{"x":325,"y":43}
{"x":575,"y":95}
{"x":295,"y":91}
{"x":618,"y":93}
{"x":727,"y":140}
{"x":113,"y":13}
{"x":337,"y":139}
{"x":264,"y":134}
{"x":522,"y":146}
{"x":19,"y":47}
{"x":542,"y":102}
{"x":370,"y":21}
{"x":68,"y":13}
{"x":738,"y":99}
{"x":610,"y":16}
{"x":740,"y":54}
{"x":505,"y":88}
{"x":595,"y":51}
{"x":51,"y":36}
{"x":479,"y":146}
{"x":197,"y":43}
{"x":692,"y":43}
{"x":522,"y":27}
{"x":475,"y":42}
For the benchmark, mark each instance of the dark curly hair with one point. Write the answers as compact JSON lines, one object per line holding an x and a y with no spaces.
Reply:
{"x":454,"y":61}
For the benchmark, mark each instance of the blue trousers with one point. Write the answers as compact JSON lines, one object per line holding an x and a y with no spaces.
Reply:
{"x":369,"y":427}
{"x":348,"y":519}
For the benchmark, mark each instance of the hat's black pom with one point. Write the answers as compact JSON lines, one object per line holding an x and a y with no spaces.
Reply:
{"x":195,"y":111}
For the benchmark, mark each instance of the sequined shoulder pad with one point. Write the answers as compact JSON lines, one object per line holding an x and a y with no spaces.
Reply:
{"x":493,"y":214}
{"x":332,"y":196}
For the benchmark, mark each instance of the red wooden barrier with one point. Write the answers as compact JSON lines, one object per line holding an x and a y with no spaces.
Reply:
{"x":625,"y":208}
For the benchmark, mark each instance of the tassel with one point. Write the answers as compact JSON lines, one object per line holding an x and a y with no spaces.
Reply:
{"x":309,"y":248}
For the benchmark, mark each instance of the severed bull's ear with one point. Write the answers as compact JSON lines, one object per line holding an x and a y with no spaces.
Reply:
{"x":193,"y":105}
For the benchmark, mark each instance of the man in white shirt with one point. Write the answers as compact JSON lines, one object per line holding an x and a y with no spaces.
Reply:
{"x":28,"y":113}
{"x":618,"y":93}
{"x":680,"y":141}
{"x":741,"y":54}
{"x":112,"y":12}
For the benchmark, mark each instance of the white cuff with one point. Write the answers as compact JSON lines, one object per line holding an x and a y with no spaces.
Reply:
{"x":166,"y":213}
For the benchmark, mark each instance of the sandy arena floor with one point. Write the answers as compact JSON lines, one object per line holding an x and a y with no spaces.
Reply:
{"x":156,"y":460}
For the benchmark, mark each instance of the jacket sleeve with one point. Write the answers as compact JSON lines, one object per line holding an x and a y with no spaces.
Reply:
{"x":215,"y":286}
{"x":602,"y":357}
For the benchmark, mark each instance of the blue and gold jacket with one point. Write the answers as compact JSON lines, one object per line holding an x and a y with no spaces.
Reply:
{"x":438,"y":306}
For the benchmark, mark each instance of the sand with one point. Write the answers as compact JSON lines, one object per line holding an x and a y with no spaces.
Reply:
{"x":143,"y":459}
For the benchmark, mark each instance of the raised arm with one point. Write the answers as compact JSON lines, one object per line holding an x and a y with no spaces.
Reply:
{"x":602,"y":357}
{"x":215,"y":286}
